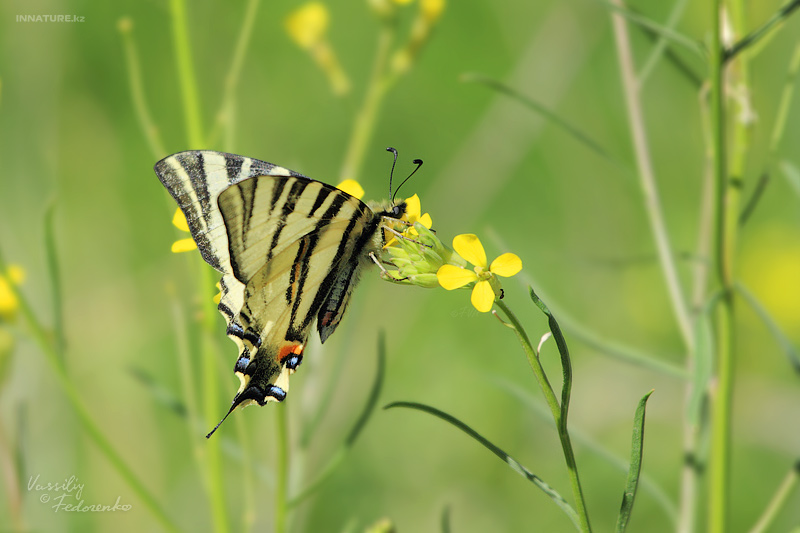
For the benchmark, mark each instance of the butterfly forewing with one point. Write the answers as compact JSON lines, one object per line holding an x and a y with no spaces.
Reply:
{"x":289,"y":249}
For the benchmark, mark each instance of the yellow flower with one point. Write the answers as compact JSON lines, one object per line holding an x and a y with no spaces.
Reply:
{"x":431,"y":9}
{"x":307,"y":24}
{"x":470,"y":248}
{"x":182,"y":245}
{"x":351,"y":187}
{"x":8,"y":300}
{"x":414,"y":214}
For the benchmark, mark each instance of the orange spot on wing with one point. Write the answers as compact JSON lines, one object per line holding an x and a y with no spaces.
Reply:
{"x":287,"y":349}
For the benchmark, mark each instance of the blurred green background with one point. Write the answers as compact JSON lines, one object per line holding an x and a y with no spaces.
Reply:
{"x":69,"y":134}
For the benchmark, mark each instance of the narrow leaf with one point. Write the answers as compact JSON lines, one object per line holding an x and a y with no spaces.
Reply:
{"x":54,"y":271}
{"x":566,"y":364}
{"x":510,"y":461}
{"x":160,"y":393}
{"x":339,"y":455}
{"x":774,"y":22}
{"x":635,"y":470}
{"x":547,"y":113}
{"x":651,"y":25}
{"x":786,"y":345}
{"x":792,"y":174}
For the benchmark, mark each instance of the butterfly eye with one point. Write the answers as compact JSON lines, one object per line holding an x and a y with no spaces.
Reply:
{"x":293,"y":361}
{"x":398,"y":211}
{"x":276,"y":392}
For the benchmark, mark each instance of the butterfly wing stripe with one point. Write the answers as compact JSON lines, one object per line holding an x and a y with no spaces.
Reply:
{"x":270,"y":230}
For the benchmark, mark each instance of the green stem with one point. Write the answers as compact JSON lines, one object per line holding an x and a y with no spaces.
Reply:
{"x":281,"y":469}
{"x":724,"y":234}
{"x":647,"y":178}
{"x":762,"y":31}
{"x":93,"y":431}
{"x":558,"y":412}
{"x":778,"y":500}
{"x":367,"y":116}
{"x":149,"y":128}
{"x":186,"y":77}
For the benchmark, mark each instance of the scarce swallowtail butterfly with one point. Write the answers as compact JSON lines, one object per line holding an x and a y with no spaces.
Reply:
{"x":289,"y":249}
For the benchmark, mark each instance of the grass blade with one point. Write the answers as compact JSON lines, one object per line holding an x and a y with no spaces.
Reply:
{"x":352,"y":436}
{"x":778,"y":500}
{"x":510,"y":461}
{"x":792,"y":174}
{"x":664,"y":31}
{"x":636,"y":466}
{"x":530,"y":103}
{"x":54,"y":271}
{"x":789,"y":350}
{"x":753,"y":37}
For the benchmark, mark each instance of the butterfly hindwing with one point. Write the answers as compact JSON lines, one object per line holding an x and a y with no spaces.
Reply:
{"x":289,"y":249}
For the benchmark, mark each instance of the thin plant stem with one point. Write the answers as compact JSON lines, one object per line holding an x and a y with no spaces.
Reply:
{"x":558,"y":412}
{"x":367,"y":116}
{"x":93,"y":431}
{"x":226,"y":113}
{"x":282,"y":469}
{"x":724,"y":234}
{"x":661,"y":44}
{"x":186,"y":76}
{"x":12,"y":484}
{"x":778,"y":500}
{"x":647,"y":178}
{"x":143,"y":115}
{"x":763,"y":30}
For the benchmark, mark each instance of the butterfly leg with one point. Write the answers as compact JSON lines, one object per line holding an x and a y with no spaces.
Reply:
{"x":399,"y":235}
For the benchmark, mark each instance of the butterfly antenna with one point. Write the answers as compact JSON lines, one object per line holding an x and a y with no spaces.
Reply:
{"x":391,"y":173}
{"x":417,"y":162}
{"x":223,"y":420}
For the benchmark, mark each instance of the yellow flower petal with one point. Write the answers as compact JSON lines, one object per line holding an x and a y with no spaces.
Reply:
{"x":470,"y":248}
{"x":431,"y":9}
{"x":183,"y":245}
{"x":413,"y":208}
{"x":351,"y":187}
{"x":307,"y":24}
{"x":402,"y":2}
{"x":179,"y":220}
{"x":506,"y":265}
{"x":8,"y":301}
{"x":16,"y":274}
{"x":482,"y":296}
{"x":452,"y":277}
{"x":426,"y":220}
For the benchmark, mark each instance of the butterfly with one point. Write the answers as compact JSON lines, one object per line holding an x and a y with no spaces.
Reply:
{"x":289,"y":248}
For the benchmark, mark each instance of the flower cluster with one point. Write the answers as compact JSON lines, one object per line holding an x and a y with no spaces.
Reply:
{"x":420,"y":258}
{"x":308,"y":26}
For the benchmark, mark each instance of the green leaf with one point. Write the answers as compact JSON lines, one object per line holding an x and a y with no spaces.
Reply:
{"x":792,"y":174}
{"x":339,"y":455}
{"x":54,"y":271}
{"x":510,"y":461}
{"x":530,"y":103}
{"x":566,"y":364}
{"x":786,"y":345}
{"x":160,"y":393}
{"x":651,"y":25}
{"x":446,"y":519}
{"x":635,"y":470}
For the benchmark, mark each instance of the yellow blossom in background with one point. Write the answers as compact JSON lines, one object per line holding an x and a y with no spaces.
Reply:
{"x":182,"y":245}
{"x":430,"y":11}
{"x":9,"y":304}
{"x":308,"y":27}
{"x":351,"y":187}
{"x":308,"y":24}
{"x":470,"y":248}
